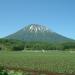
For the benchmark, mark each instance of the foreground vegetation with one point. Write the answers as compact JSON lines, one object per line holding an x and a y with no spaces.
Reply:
{"x":41,"y":57}
{"x":51,"y":61}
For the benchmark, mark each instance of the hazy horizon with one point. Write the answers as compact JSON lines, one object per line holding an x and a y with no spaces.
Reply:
{"x":57,"y":15}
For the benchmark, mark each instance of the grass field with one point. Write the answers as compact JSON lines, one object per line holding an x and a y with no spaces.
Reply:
{"x":53,"y":61}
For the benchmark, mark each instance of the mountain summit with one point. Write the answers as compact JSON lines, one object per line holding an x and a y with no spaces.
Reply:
{"x":36,"y":28}
{"x":35,"y":32}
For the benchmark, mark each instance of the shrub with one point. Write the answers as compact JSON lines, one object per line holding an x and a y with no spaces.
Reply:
{"x":18,"y":48}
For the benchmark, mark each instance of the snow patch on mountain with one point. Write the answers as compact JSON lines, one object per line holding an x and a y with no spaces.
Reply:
{"x":36,"y":28}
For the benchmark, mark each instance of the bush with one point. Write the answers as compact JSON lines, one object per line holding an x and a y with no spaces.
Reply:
{"x":18,"y":48}
{"x":0,"y":48}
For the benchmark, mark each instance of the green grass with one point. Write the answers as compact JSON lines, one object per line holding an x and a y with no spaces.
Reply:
{"x":54,"y":61}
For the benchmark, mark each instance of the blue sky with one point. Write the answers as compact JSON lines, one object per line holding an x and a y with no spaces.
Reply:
{"x":57,"y":15}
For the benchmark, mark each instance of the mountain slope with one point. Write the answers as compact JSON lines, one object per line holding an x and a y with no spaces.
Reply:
{"x":35,"y":32}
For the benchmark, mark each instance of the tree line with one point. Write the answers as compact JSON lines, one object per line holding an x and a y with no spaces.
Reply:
{"x":17,"y":45}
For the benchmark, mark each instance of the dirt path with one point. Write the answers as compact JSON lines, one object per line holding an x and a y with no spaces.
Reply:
{"x":34,"y":72}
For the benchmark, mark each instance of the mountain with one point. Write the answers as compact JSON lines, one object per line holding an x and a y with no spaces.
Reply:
{"x":35,"y":32}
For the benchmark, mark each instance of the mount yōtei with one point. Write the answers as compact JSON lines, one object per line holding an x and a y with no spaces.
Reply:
{"x":35,"y":32}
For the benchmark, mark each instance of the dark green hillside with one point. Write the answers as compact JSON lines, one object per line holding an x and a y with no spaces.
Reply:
{"x":17,"y":45}
{"x":10,"y":44}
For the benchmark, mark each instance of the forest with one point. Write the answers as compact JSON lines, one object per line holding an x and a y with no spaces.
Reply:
{"x":17,"y":45}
